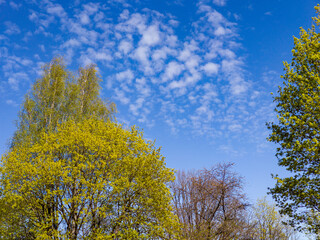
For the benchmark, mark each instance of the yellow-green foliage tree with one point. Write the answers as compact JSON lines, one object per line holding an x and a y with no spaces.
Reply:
{"x":91,"y":179}
{"x":59,"y":96}
{"x":268,"y":223}
{"x":298,"y":133}
{"x":72,"y":173}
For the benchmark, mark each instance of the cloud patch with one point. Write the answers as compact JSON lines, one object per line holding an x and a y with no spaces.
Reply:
{"x":187,"y":75}
{"x":220,"y":2}
{"x":11,"y":28}
{"x":211,"y":68}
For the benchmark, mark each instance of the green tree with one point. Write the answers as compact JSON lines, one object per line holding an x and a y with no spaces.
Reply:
{"x":298,"y":132}
{"x":91,"y":179}
{"x":59,"y":96}
{"x":73,"y":173}
{"x":268,"y":223}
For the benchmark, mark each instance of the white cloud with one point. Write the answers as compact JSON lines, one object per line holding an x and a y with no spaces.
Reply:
{"x":227,"y":53}
{"x":71,"y":43}
{"x":85,"y":60}
{"x":25,"y":62}
{"x":220,"y":2}
{"x":15,"y":5}
{"x":221,"y":31}
{"x":98,"y":17}
{"x":205,"y":110}
{"x":142,"y":87}
{"x":101,"y":55}
{"x":84,"y":18}
{"x":27,"y":36}
{"x":91,"y":8}
{"x":136,"y":21}
{"x":188,"y":50}
{"x":151,"y":36}
{"x":84,"y":35}
{"x":125,"y":76}
{"x":172,"y":125}
{"x":41,"y":19}
{"x":16,"y":78}
{"x":38,"y":69}
{"x":211,"y":68}
{"x":141,"y":54}
{"x":172,"y":40}
{"x":221,"y":26}
{"x":214,"y":46}
{"x":125,"y":14}
{"x":192,"y":62}
{"x":209,"y":94}
{"x":188,"y":80}
{"x":13,"y":64}
{"x":3,"y":50}
{"x":173,"y":22}
{"x":216,"y":18}
{"x":68,"y":55}
{"x":235,"y":127}
{"x":125,"y":46}
{"x":163,"y":53}
{"x":11,"y":28}
{"x":231,"y":66}
{"x":12,"y":103}
{"x":42,"y":47}
{"x":239,"y":87}
{"x":136,"y":106}
{"x":122,"y":2}
{"x":120,"y":95}
{"x":14,"y":83}
{"x":173,"y":69}
{"x":233,"y":71}
{"x":9,"y":66}
{"x":67,"y":49}
{"x":56,"y":10}
{"x":33,"y":16}
{"x":46,"y":22}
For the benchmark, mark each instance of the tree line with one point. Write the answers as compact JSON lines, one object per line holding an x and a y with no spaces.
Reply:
{"x":73,"y":172}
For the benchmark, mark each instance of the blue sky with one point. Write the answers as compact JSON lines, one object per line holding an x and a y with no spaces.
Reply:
{"x":194,"y":75}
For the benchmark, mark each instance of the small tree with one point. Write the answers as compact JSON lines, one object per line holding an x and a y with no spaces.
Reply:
{"x":298,"y":133}
{"x":210,"y":203}
{"x":268,"y":223}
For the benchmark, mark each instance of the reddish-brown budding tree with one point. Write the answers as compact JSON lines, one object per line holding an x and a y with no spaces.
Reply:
{"x":210,"y":204}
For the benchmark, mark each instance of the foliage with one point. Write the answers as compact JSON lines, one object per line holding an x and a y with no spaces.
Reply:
{"x":268,"y":223}
{"x":72,"y":173}
{"x":298,"y":132}
{"x":59,"y":96}
{"x":91,"y":179}
{"x":210,"y":204}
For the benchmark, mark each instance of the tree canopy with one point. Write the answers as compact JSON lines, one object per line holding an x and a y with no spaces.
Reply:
{"x":59,"y":96}
{"x":72,"y":172}
{"x":91,"y":179}
{"x":298,"y":132}
{"x":268,"y":224}
{"x":210,"y":204}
